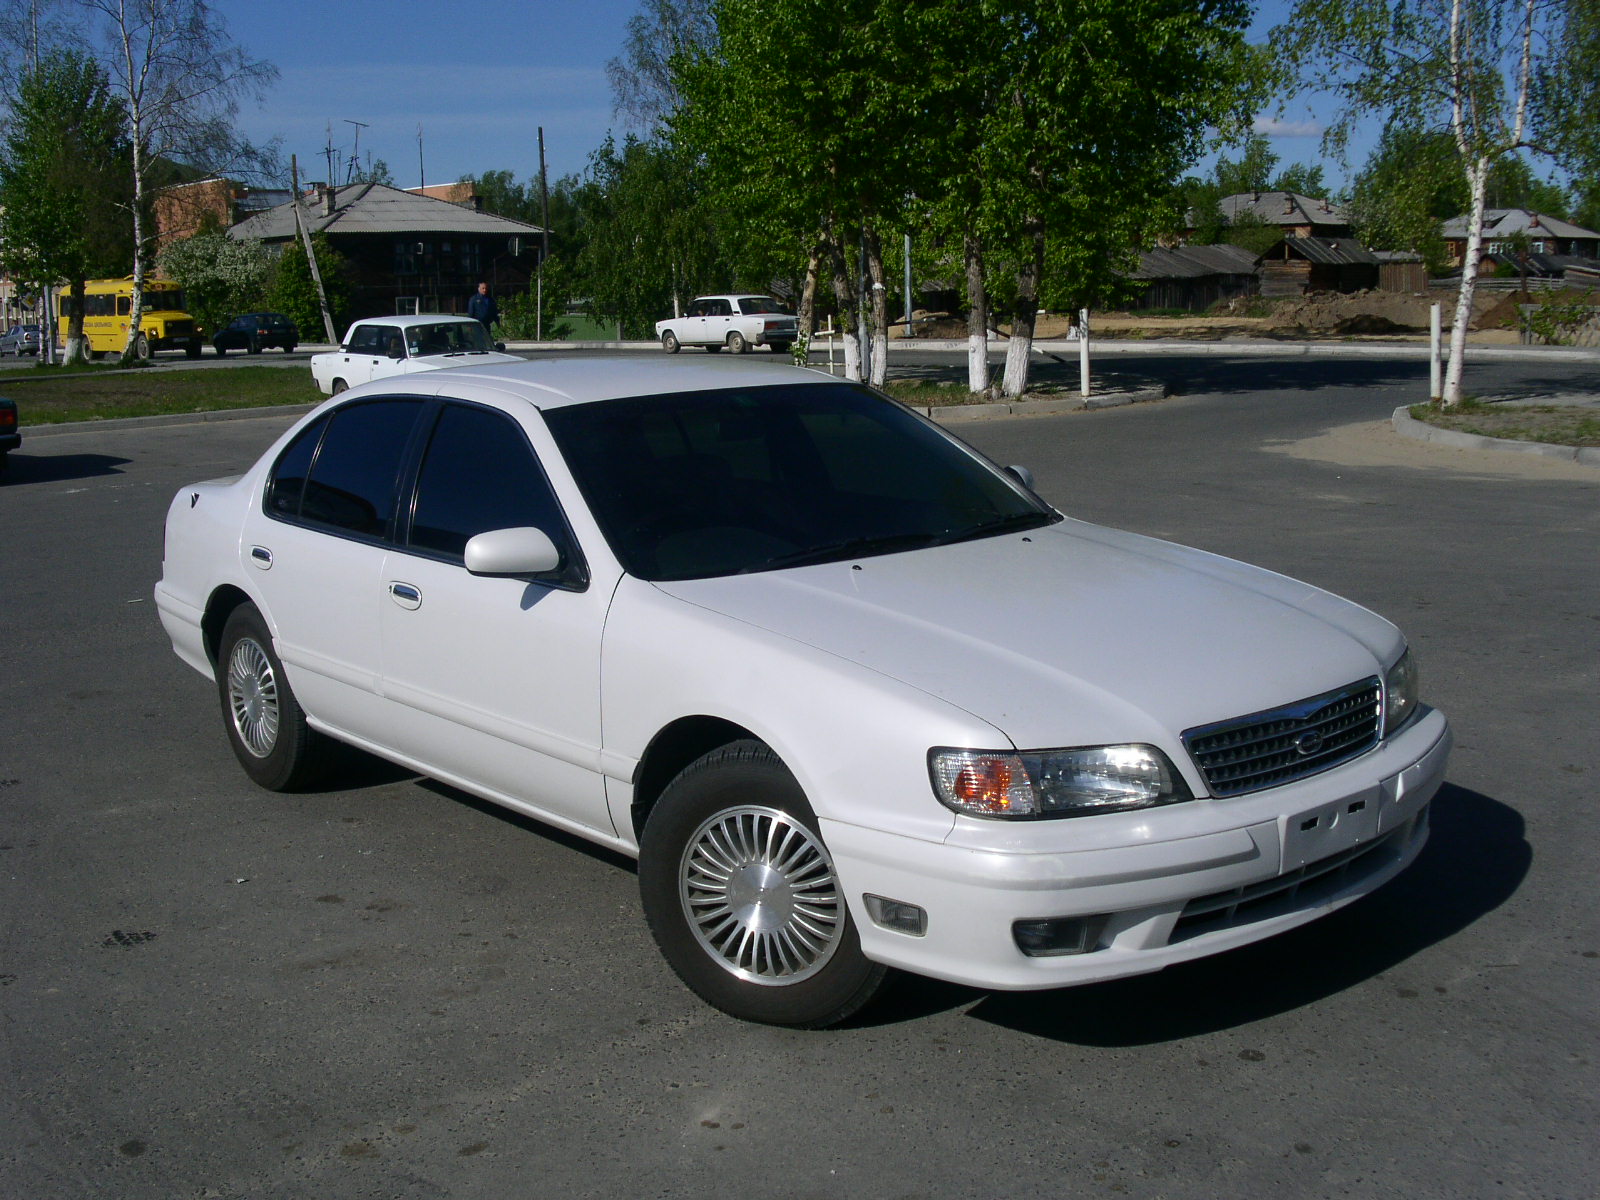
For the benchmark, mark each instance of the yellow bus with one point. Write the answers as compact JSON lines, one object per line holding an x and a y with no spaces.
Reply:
{"x":107,"y":305}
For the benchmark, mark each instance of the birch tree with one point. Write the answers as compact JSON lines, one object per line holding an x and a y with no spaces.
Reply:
{"x":180,"y":79}
{"x":1462,"y":67}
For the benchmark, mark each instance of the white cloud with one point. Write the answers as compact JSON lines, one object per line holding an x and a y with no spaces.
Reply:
{"x":1276,"y":127}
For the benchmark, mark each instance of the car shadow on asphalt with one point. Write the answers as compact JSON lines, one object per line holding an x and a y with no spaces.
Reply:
{"x":23,"y":468}
{"x":1476,"y":858}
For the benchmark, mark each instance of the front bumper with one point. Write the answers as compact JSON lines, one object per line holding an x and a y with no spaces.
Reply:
{"x":1226,"y":873}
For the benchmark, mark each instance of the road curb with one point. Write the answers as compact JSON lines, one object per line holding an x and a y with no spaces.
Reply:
{"x":32,"y":432}
{"x":1408,"y":426}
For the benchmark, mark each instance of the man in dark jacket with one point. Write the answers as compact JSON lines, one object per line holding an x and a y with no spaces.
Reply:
{"x":483,"y":308}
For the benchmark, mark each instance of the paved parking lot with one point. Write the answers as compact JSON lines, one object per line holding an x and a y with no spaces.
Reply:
{"x":390,"y":989}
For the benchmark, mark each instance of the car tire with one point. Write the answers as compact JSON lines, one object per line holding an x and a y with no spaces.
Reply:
{"x":339,"y":385}
{"x":737,"y":343}
{"x":288,"y":347}
{"x":740,"y":805}
{"x":192,"y":351}
{"x":669,"y":342}
{"x":141,"y":348}
{"x":222,"y":352}
{"x":266,"y":726}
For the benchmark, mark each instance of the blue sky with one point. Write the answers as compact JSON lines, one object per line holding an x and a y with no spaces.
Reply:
{"x":480,"y":78}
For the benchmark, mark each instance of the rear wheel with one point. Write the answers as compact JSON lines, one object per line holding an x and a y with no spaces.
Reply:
{"x":266,"y":726}
{"x":669,"y":342}
{"x":742,"y":898}
{"x":222,"y":351}
{"x":737,"y":344}
{"x":288,"y":347}
{"x":339,"y":385}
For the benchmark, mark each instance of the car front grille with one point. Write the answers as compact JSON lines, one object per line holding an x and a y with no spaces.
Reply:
{"x":1265,"y":749}
{"x":178,"y":329}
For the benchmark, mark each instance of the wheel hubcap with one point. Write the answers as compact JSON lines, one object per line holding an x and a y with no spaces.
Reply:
{"x":253,"y":697}
{"x":758,"y":890}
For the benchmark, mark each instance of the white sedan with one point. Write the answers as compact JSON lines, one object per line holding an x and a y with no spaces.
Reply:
{"x":381,"y":347}
{"x":857,"y":698}
{"x":735,"y":321}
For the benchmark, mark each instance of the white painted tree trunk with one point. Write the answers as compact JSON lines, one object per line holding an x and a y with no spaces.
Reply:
{"x":1018,"y":348}
{"x":852,"y":355}
{"x":1478,"y":179}
{"x":977,"y":317}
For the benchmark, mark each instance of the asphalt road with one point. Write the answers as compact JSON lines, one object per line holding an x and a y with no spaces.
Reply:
{"x":392,"y":990}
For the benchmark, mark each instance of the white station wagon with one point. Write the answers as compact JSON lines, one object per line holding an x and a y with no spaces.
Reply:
{"x":857,"y":698}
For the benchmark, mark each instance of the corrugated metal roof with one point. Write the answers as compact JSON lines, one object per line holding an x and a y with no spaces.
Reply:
{"x":1195,"y":262}
{"x":375,"y":208}
{"x":1503,"y":222}
{"x":1329,"y":252}
{"x":1282,"y":208}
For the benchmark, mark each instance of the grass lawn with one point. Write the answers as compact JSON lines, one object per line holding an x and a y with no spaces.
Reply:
{"x":1557,"y":425}
{"x":53,"y":395}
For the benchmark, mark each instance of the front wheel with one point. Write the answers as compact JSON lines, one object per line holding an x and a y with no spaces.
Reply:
{"x":669,"y":342}
{"x":266,"y":726}
{"x":141,"y":348}
{"x":741,"y":895}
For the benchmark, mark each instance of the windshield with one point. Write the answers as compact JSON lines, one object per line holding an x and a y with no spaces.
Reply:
{"x":165,"y":300}
{"x":447,"y":337}
{"x":694,"y":485}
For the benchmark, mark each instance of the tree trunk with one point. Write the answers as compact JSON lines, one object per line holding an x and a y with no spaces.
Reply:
{"x":847,"y":299}
{"x":76,"y":351}
{"x":878,"y":325}
{"x":1478,"y":179}
{"x":977,"y":316}
{"x":136,"y":312}
{"x":1026,"y":314}
{"x":805,"y":316}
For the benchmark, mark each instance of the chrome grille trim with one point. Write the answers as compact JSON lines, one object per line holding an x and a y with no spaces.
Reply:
{"x":1269,"y":748}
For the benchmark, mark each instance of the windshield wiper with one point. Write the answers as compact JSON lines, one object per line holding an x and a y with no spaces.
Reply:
{"x":855,"y":547}
{"x":1015,"y":523}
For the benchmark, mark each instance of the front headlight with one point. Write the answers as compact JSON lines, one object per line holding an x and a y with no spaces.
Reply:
{"x":1402,"y":685}
{"x":1054,"y":783}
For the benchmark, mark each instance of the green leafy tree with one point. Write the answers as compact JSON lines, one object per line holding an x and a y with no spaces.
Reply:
{"x":63,"y":180}
{"x":1408,"y":186}
{"x":221,"y":276}
{"x":294,"y":292}
{"x":1467,"y":68}
{"x":520,"y":314}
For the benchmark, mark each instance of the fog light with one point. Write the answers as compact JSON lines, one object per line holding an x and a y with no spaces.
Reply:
{"x":1055,"y":936}
{"x":896,"y":915}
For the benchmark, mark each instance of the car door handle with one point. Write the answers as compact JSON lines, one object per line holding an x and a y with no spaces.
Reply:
{"x":261,"y":557}
{"x":405,"y":595}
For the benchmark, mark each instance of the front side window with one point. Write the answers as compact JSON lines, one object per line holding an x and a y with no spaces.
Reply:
{"x":353,"y":471}
{"x":479,"y":473}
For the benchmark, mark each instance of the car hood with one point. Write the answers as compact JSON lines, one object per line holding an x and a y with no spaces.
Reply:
{"x":1069,"y":635}
{"x":476,"y":358}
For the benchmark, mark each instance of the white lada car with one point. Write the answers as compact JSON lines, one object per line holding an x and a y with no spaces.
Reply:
{"x":857,"y":698}
{"x":735,"y":321}
{"x":381,"y":347}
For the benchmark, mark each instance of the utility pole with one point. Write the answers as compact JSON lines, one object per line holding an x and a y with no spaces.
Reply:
{"x":422,"y":175}
{"x":544,"y":241}
{"x":311,"y":257}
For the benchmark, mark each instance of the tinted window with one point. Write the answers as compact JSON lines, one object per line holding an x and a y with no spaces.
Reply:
{"x":353,"y":477}
{"x":693,"y":485}
{"x":288,"y":481}
{"x":479,"y":474}
{"x":370,"y":339}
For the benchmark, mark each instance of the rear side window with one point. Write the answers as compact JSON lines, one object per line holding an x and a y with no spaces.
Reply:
{"x":353,"y":477}
{"x":479,"y":473}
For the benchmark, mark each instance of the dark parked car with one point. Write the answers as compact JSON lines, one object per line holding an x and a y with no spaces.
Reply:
{"x":10,"y":439}
{"x":255,"y":332}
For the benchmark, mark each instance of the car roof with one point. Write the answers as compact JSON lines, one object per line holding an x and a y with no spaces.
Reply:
{"x":415,"y":319}
{"x":579,"y":379}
